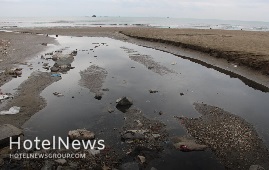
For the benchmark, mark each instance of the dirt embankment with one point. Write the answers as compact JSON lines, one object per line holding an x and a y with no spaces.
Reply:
{"x":243,"y":47}
{"x":15,"y":48}
{"x":28,"y":98}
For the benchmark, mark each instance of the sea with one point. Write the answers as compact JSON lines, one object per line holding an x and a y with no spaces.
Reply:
{"x":104,"y":21}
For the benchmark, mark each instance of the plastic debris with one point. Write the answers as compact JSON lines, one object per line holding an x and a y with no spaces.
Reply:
{"x":13,"y":110}
{"x":3,"y":97}
{"x":56,"y":75}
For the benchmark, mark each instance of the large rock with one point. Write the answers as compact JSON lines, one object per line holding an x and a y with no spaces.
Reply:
{"x":123,"y":104}
{"x":7,"y":131}
{"x":81,"y":134}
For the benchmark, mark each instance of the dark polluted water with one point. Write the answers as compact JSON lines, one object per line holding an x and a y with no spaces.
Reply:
{"x":178,"y":83}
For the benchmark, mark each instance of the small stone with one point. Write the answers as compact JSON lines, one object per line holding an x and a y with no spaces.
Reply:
{"x":256,"y":167}
{"x":81,"y":134}
{"x":153,"y":91}
{"x":142,"y":159}
{"x":181,"y":94}
{"x":61,"y":161}
{"x":98,"y":96}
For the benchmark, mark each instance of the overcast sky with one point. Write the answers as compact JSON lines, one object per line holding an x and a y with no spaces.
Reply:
{"x":253,"y":10}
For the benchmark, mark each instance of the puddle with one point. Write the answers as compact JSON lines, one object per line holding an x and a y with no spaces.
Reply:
{"x":179,"y":83}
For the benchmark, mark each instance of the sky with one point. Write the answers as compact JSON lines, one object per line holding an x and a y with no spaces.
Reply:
{"x":247,"y":10}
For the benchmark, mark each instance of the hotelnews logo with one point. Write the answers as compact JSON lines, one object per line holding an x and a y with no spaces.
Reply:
{"x":57,"y":143}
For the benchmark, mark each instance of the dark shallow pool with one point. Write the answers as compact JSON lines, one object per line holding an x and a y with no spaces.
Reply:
{"x":179,"y":82}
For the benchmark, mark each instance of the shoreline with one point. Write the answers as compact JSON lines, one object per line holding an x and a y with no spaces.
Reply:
{"x":234,"y":67}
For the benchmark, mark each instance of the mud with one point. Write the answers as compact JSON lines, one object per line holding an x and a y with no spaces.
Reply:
{"x":147,"y":61}
{"x":28,"y":98}
{"x":93,"y":78}
{"x":232,"y":139}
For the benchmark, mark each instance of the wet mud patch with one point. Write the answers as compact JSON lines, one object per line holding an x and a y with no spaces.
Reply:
{"x":232,"y":139}
{"x":147,"y":61}
{"x":93,"y":78}
{"x":28,"y":98}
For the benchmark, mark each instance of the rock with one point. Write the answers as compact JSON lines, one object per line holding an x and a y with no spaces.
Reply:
{"x":48,"y":165}
{"x":54,"y":69}
{"x":256,"y":167}
{"x":94,"y":16}
{"x":156,"y":135}
{"x":45,"y":64}
{"x":106,"y":89}
{"x":142,"y":159}
{"x":153,"y":91}
{"x":188,"y":145}
{"x":124,"y":101}
{"x":98,"y":96}
{"x":130,"y":166}
{"x":58,"y":94}
{"x":7,"y":131}
{"x":110,"y":110}
{"x":61,"y":161}
{"x":81,"y":134}
{"x":134,"y":135}
{"x":181,"y":94}
{"x":123,"y":104}
{"x":94,"y":152}
{"x":152,"y":168}
{"x":60,"y":168}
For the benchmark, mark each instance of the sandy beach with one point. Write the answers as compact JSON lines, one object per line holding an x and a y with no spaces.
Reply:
{"x":239,"y":54}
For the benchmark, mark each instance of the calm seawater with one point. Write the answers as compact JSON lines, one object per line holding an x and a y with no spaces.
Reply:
{"x":9,"y":22}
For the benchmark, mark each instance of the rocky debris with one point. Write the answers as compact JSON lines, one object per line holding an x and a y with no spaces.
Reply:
{"x":7,"y":131}
{"x":93,"y":78}
{"x":123,"y":104}
{"x":81,"y":134}
{"x":153,"y":91}
{"x":187,"y":145}
{"x":61,"y":161}
{"x":256,"y":167}
{"x":226,"y":133}
{"x":181,"y":94}
{"x":62,"y":62}
{"x":14,"y":72}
